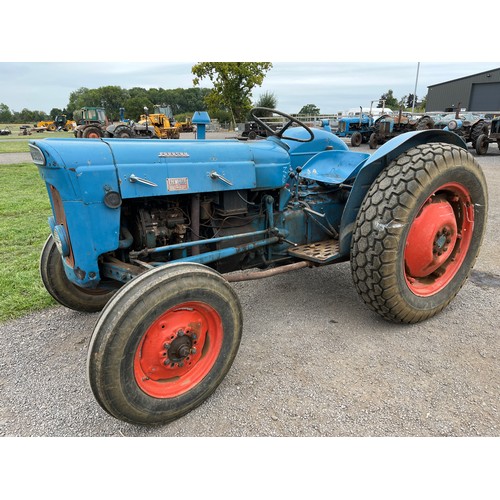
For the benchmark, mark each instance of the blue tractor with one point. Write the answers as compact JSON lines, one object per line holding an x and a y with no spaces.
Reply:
{"x":358,"y":128}
{"x":146,"y":231}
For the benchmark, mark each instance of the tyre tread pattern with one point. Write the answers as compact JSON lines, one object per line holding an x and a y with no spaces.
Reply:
{"x":374,"y":246}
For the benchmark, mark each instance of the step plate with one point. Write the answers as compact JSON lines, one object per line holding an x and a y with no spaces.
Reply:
{"x":321,"y":252}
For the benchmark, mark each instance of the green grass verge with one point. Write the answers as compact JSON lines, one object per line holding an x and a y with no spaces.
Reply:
{"x":24,"y":209}
{"x":15,"y":143}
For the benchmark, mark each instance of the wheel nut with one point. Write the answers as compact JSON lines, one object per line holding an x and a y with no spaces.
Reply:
{"x":193,"y":350}
{"x":180,"y":333}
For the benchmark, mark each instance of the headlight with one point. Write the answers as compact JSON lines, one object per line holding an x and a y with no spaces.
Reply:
{"x":37,"y":155}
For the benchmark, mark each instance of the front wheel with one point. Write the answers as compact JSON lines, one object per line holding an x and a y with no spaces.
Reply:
{"x":356,"y":139}
{"x":419,"y":231}
{"x":164,"y":343}
{"x":63,"y":290}
{"x":481,"y":145}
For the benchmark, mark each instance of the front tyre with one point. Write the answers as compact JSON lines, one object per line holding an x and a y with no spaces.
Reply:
{"x":164,"y":343}
{"x":419,"y":231}
{"x":356,"y":139}
{"x":63,"y":290}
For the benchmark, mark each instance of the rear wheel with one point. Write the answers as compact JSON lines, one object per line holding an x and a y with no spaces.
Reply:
{"x":419,"y":231}
{"x":164,"y":343}
{"x":425,"y":123}
{"x":373,"y":141}
{"x":92,"y":133}
{"x":62,"y":289}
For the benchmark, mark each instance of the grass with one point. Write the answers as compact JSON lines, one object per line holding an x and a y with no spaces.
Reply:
{"x":15,"y":143}
{"x":24,"y":209}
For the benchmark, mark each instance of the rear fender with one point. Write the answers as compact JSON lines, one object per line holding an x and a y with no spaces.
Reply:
{"x":375,"y":164}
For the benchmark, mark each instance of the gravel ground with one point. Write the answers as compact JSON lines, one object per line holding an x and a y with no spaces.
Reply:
{"x":313,"y":361}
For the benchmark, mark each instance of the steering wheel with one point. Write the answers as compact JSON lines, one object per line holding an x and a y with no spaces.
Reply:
{"x":281,"y":131}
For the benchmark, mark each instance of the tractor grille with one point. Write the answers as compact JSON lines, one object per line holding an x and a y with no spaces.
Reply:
{"x":385,"y":127}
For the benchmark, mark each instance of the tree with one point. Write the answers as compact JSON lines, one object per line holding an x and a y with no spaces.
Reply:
{"x":309,"y":109}
{"x":134,"y":107}
{"x":390,"y":100}
{"x":111,"y":97}
{"x":411,"y":101}
{"x":5,"y":113}
{"x":55,"y":112}
{"x":267,"y":100}
{"x":233,"y":83}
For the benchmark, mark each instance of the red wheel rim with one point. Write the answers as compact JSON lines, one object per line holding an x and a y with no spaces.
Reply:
{"x":438,"y":240}
{"x":178,"y":350}
{"x":93,"y":135}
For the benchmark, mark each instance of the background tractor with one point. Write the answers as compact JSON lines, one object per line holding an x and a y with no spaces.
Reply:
{"x":483,"y":141}
{"x":158,"y":125}
{"x":386,"y":127}
{"x":153,"y":233}
{"x":91,"y":122}
{"x":469,"y":126}
{"x":358,"y":128}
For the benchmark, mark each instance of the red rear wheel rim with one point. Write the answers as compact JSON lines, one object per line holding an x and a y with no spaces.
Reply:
{"x":178,"y":350}
{"x":438,"y":240}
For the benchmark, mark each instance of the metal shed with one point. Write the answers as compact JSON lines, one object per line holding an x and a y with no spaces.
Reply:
{"x":479,"y":92}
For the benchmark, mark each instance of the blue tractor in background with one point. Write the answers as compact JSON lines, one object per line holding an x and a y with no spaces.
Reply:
{"x":146,"y":232}
{"x":358,"y":128}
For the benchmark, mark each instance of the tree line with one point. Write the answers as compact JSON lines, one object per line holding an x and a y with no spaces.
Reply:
{"x":112,"y":98}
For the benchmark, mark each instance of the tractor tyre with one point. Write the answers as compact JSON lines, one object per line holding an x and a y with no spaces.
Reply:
{"x":124,"y":133}
{"x":92,"y":133}
{"x":252,"y":135}
{"x":425,"y":123}
{"x":63,"y":290}
{"x":356,"y":139}
{"x":373,"y":141}
{"x":479,"y":128}
{"x":419,"y":231}
{"x":51,"y":127}
{"x":481,"y":145}
{"x":164,"y":343}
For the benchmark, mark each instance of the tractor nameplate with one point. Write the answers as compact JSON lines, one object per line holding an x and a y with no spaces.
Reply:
{"x":178,"y":184}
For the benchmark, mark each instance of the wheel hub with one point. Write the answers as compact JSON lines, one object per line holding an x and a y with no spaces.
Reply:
{"x":431,"y":239}
{"x":180,"y":348}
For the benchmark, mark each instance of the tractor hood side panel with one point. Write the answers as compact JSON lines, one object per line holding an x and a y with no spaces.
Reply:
{"x":159,"y":168}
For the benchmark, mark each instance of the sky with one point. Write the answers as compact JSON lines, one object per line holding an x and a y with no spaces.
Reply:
{"x":323,"y":53}
{"x":331,"y":86}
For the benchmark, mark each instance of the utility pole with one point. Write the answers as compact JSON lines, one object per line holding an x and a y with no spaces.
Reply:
{"x":415,"y":91}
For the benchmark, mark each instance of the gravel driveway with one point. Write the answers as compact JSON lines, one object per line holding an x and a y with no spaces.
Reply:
{"x":313,"y":361}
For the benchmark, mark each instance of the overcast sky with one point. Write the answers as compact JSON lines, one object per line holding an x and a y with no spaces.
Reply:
{"x":48,"y":50}
{"x":332,"y":86}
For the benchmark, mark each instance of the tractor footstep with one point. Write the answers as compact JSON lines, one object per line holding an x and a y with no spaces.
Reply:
{"x":321,"y":252}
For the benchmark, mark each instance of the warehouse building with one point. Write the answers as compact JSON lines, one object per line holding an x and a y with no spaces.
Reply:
{"x":479,"y":92}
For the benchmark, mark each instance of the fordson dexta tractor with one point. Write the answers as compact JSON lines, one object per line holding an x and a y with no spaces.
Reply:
{"x":146,"y":232}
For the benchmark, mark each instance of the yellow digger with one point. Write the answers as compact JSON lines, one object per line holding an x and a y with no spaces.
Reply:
{"x":59,"y":122}
{"x":158,"y":125}
{"x":162,"y":120}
